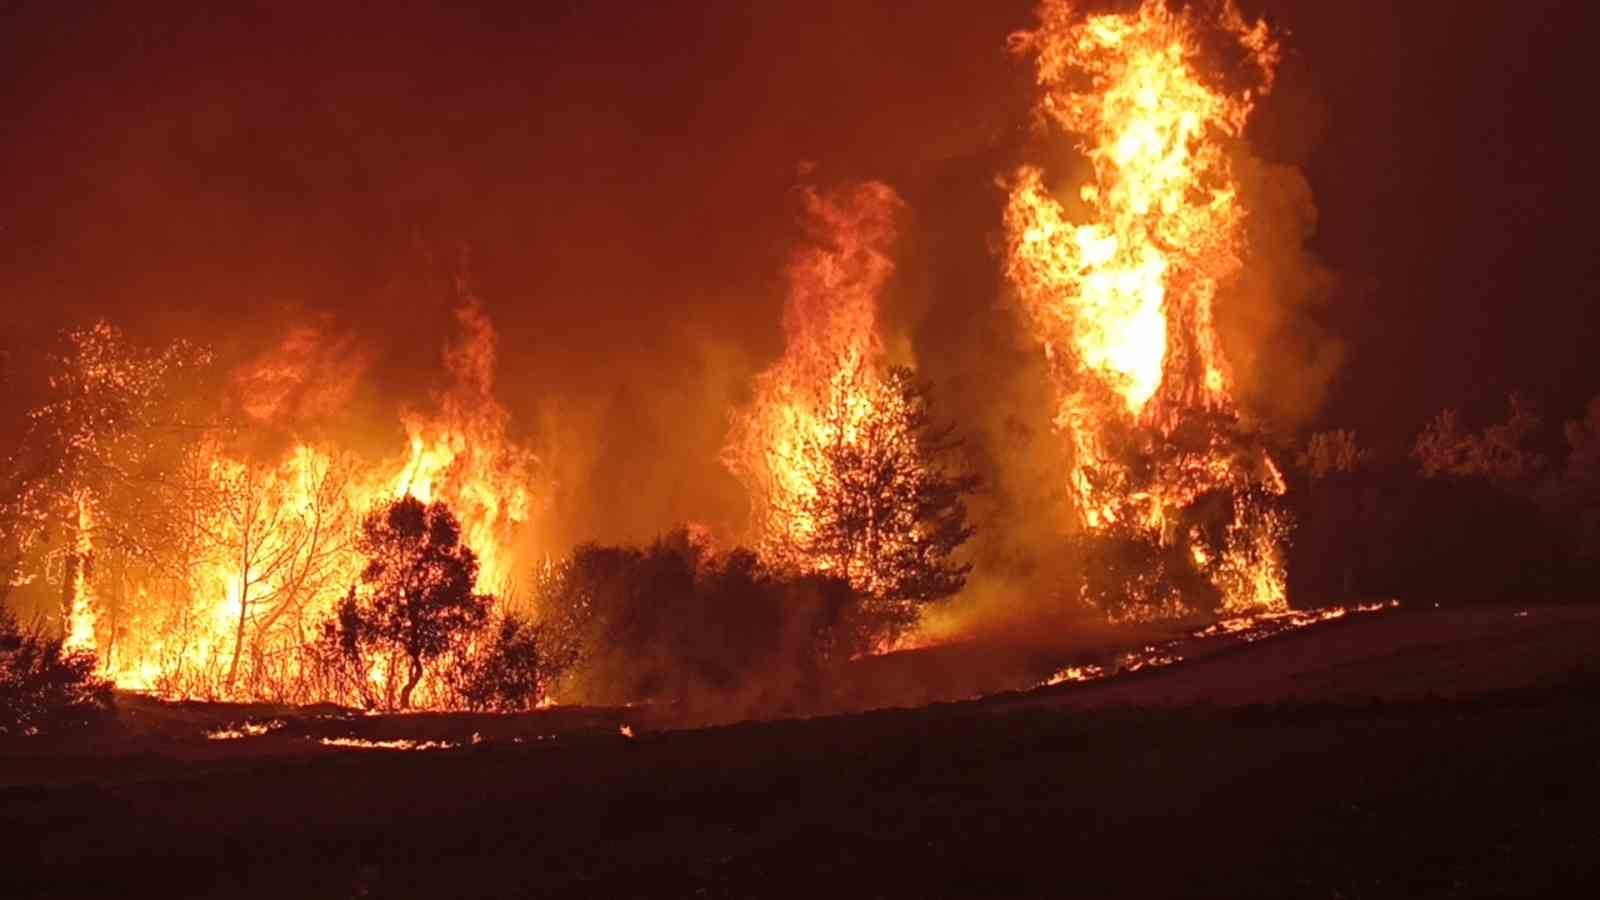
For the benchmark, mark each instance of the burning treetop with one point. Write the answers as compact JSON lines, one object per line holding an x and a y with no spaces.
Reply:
{"x":846,"y":471}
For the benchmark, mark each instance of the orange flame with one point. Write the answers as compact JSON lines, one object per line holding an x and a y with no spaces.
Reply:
{"x":829,"y":382}
{"x":273,"y":540}
{"x":1119,"y":286}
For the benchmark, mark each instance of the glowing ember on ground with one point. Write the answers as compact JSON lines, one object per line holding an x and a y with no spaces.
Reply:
{"x":1246,"y":629}
{"x":1256,"y":627}
{"x":1076,"y":673}
{"x":350,"y":743}
{"x":244,"y":730}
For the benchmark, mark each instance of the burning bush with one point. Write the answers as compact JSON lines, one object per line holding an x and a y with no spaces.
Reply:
{"x":45,"y":687}
{"x":677,"y":621}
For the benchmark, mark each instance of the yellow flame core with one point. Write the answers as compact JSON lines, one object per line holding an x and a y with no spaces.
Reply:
{"x":1119,"y":286}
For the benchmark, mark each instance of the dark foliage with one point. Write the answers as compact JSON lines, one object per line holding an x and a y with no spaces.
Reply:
{"x":416,"y":595}
{"x":676,"y":621}
{"x":1470,"y":515}
{"x":45,"y":688}
{"x":1384,"y":532}
{"x":516,"y":668}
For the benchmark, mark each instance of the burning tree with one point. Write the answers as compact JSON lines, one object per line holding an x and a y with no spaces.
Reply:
{"x":1119,"y":287}
{"x":417,"y":596}
{"x":847,"y":474}
{"x":885,"y":507}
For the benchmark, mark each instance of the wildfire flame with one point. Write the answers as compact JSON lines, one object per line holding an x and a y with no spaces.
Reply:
{"x":274,"y":538}
{"x":1119,"y":285}
{"x":830,"y":381}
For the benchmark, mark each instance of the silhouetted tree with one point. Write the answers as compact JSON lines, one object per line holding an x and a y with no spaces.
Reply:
{"x":415,"y":597}
{"x":888,"y":510}
{"x":1574,"y":498}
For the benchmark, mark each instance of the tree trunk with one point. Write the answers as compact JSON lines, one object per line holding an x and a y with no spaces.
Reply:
{"x":411,"y":682}
{"x":238,"y":637}
{"x":69,"y":591}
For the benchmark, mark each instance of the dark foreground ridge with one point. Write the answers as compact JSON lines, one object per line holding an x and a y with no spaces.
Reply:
{"x":1462,"y":764}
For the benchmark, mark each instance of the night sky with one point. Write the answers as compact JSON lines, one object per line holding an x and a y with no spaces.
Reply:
{"x":624,"y":175}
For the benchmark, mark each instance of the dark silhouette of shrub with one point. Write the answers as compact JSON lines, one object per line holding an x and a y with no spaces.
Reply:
{"x":515,"y":668}
{"x":44,"y":687}
{"x":1386,"y":532}
{"x":676,"y":621}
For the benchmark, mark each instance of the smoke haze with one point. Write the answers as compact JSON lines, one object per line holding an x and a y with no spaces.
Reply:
{"x":623,"y":179}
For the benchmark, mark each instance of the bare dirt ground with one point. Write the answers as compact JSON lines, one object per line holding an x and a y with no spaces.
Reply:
{"x":1408,"y":753}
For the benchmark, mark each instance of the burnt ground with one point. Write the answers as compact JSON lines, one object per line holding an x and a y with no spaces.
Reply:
{"x":1448,"y":753}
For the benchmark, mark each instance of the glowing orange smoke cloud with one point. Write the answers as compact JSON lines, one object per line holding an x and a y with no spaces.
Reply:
{"x":1119,"y":284}
{"x":829,"y":380}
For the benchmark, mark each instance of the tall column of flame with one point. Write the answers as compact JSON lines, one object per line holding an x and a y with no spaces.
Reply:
{"x":1119,"y":286}
{"x":462,"y":455}
{"x":832,"y":360}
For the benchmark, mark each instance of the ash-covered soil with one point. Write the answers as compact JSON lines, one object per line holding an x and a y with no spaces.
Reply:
{"x":1429,"y":752}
